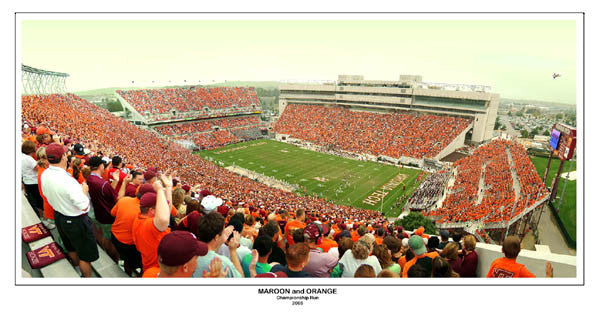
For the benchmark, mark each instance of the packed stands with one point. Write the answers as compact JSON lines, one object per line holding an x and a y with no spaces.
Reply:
{"x":98,"y":130}
{"x":174,"y":103}
{"x":203,"y":134}
{"x":389,"y":134}
{"x":430,"y":191}
{"x":484,"y":189}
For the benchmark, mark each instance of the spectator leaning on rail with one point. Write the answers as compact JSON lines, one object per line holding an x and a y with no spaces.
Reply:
{"x":71,"y":204}
{"x":507,"y":266}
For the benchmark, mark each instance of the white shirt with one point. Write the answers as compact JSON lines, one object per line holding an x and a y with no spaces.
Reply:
{"x":351,"y":263}
{"x":63,"y":192}
{"x":28,"y":171}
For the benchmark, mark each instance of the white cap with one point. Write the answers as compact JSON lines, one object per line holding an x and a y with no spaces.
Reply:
{"x":211,"y":203}
{"x":404,"y":242}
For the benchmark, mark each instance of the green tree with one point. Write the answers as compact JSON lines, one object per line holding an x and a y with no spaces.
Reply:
{"x":524,"y":133}
{"x":114,"y":106}
{"x":415,"y":220}
{"x":535,"y":131}
{"x":497,"y":124}
{"x":546,"y":133}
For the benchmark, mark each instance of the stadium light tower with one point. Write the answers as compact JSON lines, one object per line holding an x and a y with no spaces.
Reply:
{"x":38,"y":81}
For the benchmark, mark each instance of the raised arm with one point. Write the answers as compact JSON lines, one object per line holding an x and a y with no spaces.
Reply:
{"x":161,"y":215}
{"x":126,"y":181}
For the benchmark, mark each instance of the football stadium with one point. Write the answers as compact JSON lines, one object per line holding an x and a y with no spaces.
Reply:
{"x":323,"y":189}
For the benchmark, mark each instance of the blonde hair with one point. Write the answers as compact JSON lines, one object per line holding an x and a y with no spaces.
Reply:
{"x":450,"y":252}
{"x":361,"y":249}
{"x":178,"y":197}
{"x":469,"y":242}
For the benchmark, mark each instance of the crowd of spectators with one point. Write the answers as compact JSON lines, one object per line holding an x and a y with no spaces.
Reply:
{"x":203,"y":135}
{"x":491,"y":163}
{"x":389,"y":134}
{"x":162,"y":101}
{"x":430,"y":191}
{"x":225,"y":225}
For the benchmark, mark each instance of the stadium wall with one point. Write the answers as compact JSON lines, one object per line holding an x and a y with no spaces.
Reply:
{"x":535,"y":260}
{"x":134,"y":113}
{"x":458,"y":142}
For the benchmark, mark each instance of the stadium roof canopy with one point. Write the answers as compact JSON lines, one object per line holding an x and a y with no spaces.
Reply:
{"x":38,"y":81}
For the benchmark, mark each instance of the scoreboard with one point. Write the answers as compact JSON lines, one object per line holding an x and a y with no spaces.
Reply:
{"x":563,"y":141}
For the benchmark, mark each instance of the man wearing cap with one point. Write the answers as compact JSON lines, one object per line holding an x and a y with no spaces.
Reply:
{"x":320,"y":264}
{"x":71,"y":204}
{"x":150,"y":176}
{"x":80,"y":153}
{"x":153,"y":222}
{"x":137,"y":179}
{"x":126,"y":212}
{"x":422,"y":257}
{"x":210,"y":203}
{"x":178,"y":253}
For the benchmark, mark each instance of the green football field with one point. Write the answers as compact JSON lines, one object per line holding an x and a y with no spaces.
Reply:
{"x":341,"y":180}
{"x":568,"y":209}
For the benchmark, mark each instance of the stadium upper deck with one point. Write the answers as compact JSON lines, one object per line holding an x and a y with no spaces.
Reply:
{"x":407,"y":94}
{"x":151,"y":106}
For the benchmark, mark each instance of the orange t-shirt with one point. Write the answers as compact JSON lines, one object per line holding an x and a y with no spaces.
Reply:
{"x":249,"y":231}
{"x":508,"y":268}
{"x":173,"y":211}
{"x":411,"y":262}
{"x":355,"y":236}
{"x":290,"y":227}
{"x":48,"y":210}
{"x":151,"y":272}
{"x":327,"y":244}
{"x":146,"y":238}
{"x":379,"y":240}
{"x":80,"y":178}
{"x":402,"y":261}
{"x":126,"y":210}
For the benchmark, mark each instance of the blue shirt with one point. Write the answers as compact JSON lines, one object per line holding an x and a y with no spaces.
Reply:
{"x":204,"y":262}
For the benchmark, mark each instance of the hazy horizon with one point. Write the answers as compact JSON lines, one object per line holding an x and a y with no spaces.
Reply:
{"x":516,"y":58}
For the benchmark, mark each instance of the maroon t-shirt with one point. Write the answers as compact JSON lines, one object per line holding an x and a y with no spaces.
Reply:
{"x":103,"y":198}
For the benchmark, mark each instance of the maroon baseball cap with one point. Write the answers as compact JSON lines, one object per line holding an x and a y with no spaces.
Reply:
{"x":144,"y":188}
{"x":205,"y":193}
{"x":223,"y":210}
{"x":149,"y":174}
{"x":148,"y":200}
{"x":186,"y":188}
{"x":55,"y":151}
{"x":178,"y":247}
{"x":312,"y":230}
